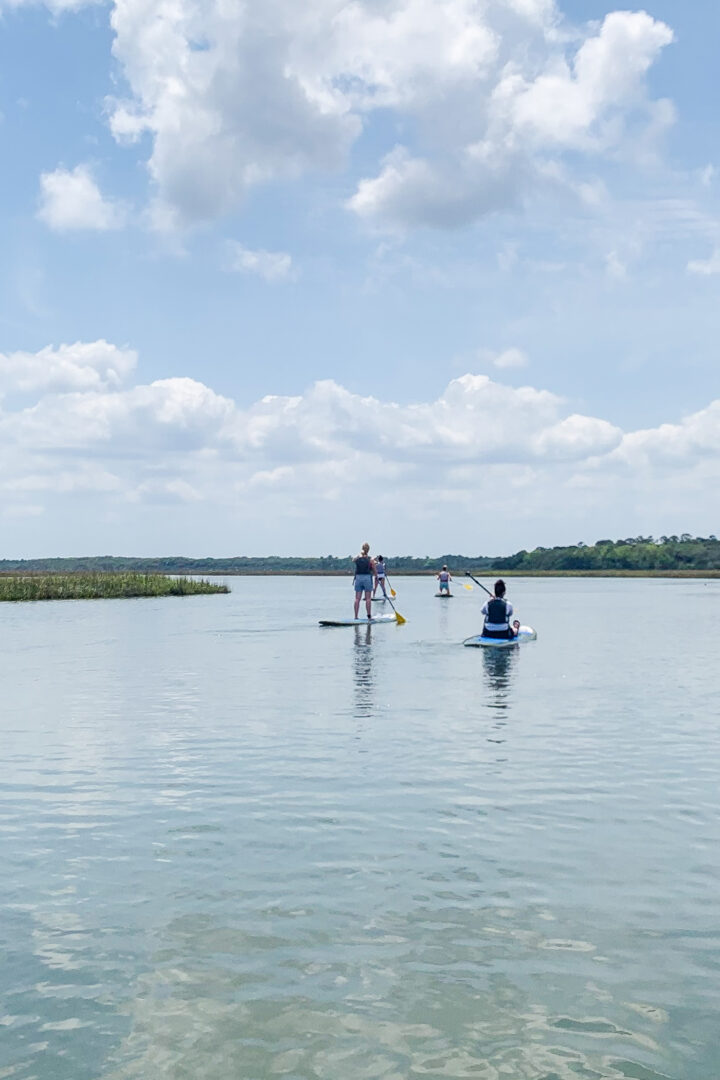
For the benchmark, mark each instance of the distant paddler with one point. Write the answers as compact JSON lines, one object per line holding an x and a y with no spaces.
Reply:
{"x":380,"y":576}
{"x":444,"y":578}
{"x":363,"y":580}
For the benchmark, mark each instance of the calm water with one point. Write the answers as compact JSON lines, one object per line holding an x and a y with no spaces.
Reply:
{"x":235,"y":845}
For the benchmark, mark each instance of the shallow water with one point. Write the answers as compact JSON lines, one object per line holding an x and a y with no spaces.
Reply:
{"x":238,"y":845}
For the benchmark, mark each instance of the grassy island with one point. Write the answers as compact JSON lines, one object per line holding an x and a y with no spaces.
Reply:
{"x":102,"y":586}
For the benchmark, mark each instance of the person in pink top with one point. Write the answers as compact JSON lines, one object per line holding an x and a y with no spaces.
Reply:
{"x":444,"y":578}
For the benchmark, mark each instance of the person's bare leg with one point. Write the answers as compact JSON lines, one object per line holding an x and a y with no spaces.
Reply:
{"x":368,"y":598}
{"x":357,"y":603}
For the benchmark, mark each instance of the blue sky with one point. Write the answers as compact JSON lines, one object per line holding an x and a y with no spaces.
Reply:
{"x":470,"y":250}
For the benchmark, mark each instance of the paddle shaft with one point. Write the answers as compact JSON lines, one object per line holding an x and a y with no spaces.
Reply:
{"x":468,"y":574}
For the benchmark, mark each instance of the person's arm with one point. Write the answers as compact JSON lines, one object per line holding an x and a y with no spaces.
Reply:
{"x":484,"y":609}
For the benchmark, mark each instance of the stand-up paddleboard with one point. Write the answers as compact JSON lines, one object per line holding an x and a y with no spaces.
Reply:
{"x":359,"y":622}
{"x":443,"y":595}
{"x":525,"y":634}
{"x":379,"y":599}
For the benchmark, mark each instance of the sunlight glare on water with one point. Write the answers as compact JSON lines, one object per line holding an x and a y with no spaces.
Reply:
{"x":236,"y":844}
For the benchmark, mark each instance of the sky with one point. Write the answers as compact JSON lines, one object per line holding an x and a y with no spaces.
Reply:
{"x":279,"y":278}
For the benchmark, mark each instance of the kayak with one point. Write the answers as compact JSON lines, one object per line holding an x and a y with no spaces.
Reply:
{"x":525,"y":634}
{"x":359,"y":622}
{"x":443,"y":595}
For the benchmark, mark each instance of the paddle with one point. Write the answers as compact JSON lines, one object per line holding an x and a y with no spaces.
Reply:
{"x":468,"y":574}
{"x":398,"y":616}
{"x":392,"y":591}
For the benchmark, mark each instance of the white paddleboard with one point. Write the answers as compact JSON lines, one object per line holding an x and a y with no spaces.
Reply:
{"x":359,"y":622}
{"x":525,"y":634}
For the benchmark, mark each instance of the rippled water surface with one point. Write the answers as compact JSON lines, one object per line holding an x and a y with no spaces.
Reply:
{"x":237,"y":845}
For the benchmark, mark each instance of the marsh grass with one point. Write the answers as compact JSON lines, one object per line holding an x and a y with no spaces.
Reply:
{"x":100,"y":586}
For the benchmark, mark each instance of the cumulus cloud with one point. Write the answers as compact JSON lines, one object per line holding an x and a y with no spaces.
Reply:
{"x":82,"y":366}
{"x":696,"y":438}
{"x":272,"y":266}
{"x":74,"y":427}
{"x":706,"y":267}
{"x":511,"y":358}
{"x":582,"y":104}
{"x":71,"y":199}
{"x":475,"y":420}
{"x":233,"y":96}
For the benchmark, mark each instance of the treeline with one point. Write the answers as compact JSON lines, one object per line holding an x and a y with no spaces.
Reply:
{"x":637,"y":553}
{"x":270,"y":564}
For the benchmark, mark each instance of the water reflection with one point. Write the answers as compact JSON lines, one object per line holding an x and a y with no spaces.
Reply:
{"x":363,"y":675}
{"x":498,"y":666}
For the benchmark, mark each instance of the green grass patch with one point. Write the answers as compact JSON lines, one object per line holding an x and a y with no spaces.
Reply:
{"x":100,"y":586}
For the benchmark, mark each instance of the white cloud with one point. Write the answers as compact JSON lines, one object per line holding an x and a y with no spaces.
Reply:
{"x":583,"y":104}
{"x":571,"y":102}
{"x":695,"y":439}
{"x":87,"y":438}
{"x":238,"y":95}
{"x":170,"y":415}
{"x":72,"y":200}
{"x":272,"y":266}
{"x":82,"y":366}
{"x":706,"y":267}
{"x":511,"y":358}
{"x":707,"y":175}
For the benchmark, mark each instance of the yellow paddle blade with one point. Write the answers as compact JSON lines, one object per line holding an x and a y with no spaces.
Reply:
{"x":468,"y":587}
{"x":400,"y":619}
{"x":393,"y":593}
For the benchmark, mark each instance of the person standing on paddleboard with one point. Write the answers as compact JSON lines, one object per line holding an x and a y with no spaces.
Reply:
{"x":363,"y":580}
{"x":379,"y":576}
{"x":498,"y":613}
{"x":444,"y":577}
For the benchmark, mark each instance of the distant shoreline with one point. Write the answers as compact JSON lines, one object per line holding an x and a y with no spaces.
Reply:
{"x":681,"y":556}
{"x":459,"y":576}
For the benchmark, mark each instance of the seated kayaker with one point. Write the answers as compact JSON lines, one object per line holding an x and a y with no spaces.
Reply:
{"x":498,"y":613}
